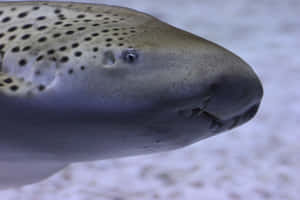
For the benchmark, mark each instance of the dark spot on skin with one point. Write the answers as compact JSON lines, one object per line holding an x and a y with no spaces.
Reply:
{"x":81,"y":28}
{"x":99,"y":15}
{"x":96,"y":24}
{"x":70,"y":71}
{"x":57,"y":11}
{"x":95,"y":49}
{"x":95,"y":34}
{"x":42,"y":28}
{"x":2,"y":46}
{"x":40,"y":58}
{"x":12,"y":37}
{"x":58,"y":23}
{"x":12,"y":29}
{"x":56,"y":35}
{"x":77,"y":53}
{"x":80,"y":16}
{"x":2,"y":35}
{"x":41,"y":18}
{"x":51,"y":51}
{"x":38,"y":72}
{"x":14,"y":88}
{"x":108,"y":45}
{"x":108,"y":40}
{"x":68,"y":25}
{"x":82,"y":68}
{"x":42,"y":39}
{"x":22,"y":62}
{"x":27,"y":26}
{"x":41,"y":87}
{"x":8,"y":80}
{"x":120,"y":44}
{"x":15,"y":49}
{"x":75,"y":45}
{"x":26,"y":36}
{"x":87,"y":20}
{"x":6,"y":19}
{"x":69,"y":32}
{"x":23,"y":14}
{"x":1,"y":12}
{"x":62,"y":17}
{"x":63,"y":48}
{"x":105,"y":31}
{"x":87,"y":39}
{"x":36,"y":8}
{"x":26,"y":48}
{"x":64,"y":59}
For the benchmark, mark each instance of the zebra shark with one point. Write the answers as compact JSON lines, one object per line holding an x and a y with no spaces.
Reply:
{"x":82,"y":82}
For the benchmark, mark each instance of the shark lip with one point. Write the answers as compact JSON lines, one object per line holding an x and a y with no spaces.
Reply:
{"x":217,"y":124}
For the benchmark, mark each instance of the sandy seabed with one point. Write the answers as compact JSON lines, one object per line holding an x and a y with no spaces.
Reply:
{"x":260,"y":160}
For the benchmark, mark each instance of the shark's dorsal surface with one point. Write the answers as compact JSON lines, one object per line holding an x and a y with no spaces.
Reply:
{"x":83,"y":82}
{"x":42,"y":41}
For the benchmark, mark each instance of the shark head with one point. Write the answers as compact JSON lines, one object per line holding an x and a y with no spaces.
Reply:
{"x":103,"y":81}
{"x":85,"y":82}
{"x":182,"y":87}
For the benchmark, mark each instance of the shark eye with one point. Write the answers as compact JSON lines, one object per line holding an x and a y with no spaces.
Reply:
{"x":130,"y":55}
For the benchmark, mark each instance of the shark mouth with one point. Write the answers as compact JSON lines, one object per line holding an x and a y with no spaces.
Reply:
{"x":216,"y":124}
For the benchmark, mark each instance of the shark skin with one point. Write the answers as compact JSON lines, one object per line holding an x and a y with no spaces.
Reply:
{"x":82,"y":82}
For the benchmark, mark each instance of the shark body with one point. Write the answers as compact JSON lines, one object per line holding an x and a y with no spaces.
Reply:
{"x":81,"y":82}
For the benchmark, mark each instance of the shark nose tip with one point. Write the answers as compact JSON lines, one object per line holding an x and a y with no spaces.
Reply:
{"x":235,"y":94}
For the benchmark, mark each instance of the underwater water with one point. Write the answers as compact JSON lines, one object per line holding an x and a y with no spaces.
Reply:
{"x":260,"y":160}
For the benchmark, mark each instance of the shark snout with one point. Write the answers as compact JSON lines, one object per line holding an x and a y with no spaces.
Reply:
{"x":230,"y":93}
{"x":235,"y":92}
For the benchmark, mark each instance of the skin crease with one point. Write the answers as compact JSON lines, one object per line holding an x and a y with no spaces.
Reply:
{"x":88,"y":82}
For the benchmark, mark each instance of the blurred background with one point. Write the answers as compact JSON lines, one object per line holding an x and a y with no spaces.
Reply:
{"x":260,"y":160}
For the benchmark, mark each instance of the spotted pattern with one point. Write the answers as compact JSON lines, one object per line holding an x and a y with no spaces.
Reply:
{"x":40,"y":41}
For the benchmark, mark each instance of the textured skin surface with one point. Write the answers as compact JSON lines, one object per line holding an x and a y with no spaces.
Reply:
{"x":86,"y":82}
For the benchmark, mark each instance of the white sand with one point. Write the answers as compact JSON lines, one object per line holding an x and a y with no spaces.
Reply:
{"x":260,"y":160}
